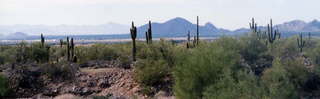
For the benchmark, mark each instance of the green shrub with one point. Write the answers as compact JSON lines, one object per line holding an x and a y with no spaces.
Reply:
{"x":151,"y":72}
{"x":60,"y":71}
{"x":39,"y":53}
{"x":4,"y":89}
{"x":277,"y":82}
{"x":242,"y":86}
{"x":103,"y":52}
{"x":254,"y":53}
{"x":154,"y":65}
{"x":203,"y":67}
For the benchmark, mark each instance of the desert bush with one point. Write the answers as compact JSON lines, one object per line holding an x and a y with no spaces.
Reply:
{"x":102,"y":52}
{"x":23,"y":76}
{"x":255,"y":54}
{"x":7,"y":54}
{"x":39,"y":53}
{"x":203,"y":67}
{"x":23,"y":53}
{"x":244,"y":85}
{"x":60,"y":71}
{"x":277,"y":82}
{"x":314,"y":54}
{"x":151,"y":72}
{"x":288,"y":48}
{"x":4,"y":89}
{"x":154,"y":66}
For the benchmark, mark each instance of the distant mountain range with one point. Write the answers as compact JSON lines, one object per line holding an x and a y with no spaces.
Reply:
{"x":171,"y":28}
{"x":180,"y":27}
{"x":110,"y":28}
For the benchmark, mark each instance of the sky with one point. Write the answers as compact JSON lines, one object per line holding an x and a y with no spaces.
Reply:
{"x":228,"y":14}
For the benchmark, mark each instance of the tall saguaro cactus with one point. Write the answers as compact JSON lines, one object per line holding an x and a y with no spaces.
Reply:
{"x":72,"y":48}
{"x":68,"y":49}
{"x":133,"y":32}
{"x":42,"y":40}
{"x":309,"y":36}
{"x":197,"y":30}
{"x":272,"y":34}
{"x":188,"y":40}
{"x":61,"y":43}
{"x":253,"y":26}
{"x":301,"y":43}
{"x":149,"y":33}
{"x":147,"y":37}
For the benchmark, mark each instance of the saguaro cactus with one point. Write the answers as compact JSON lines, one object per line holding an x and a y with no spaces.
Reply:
{"x":188,"y":40}
{"x":72,"y":48}
{"x":309,"y":36}
{"x":253,"y":26}
{"x":147,"y":37}
{"x":61,"y":43}
{"x":68,"y":49}
{"x":42,"y":40}
{"x":254,"y":29}
{"x":301,"y":43}
{"x":197,"y":30}
{"x":133,"y":32}
{"x":272,"y":34}
{"x":194,"y":40}
{"x":149,"y":33}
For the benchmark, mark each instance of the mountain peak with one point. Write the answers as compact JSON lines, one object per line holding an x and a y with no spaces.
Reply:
{"x":210,"y":25}
{"x":315,"y":21}
{"x":295,"y":22}
{"x":178,"y":20}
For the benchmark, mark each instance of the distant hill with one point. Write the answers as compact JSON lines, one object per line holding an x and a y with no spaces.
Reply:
{"x":16,"y":35}
{"x":300,"y":26}
{"x":110,"y":28}
{"x":180,"y":27}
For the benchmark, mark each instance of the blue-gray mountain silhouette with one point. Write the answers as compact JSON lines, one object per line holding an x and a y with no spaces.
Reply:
{"x":180,"y":27}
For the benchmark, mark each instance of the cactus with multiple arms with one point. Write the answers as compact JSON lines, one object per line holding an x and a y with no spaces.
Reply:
{"x":301,"y":43}
{"x":254,"y":29}
{"x":253,"y":26}
{"x":272,"y":34}
{"x":133,"y":32}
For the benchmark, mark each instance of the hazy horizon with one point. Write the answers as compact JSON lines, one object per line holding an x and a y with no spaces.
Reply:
{"x":228,"y":14}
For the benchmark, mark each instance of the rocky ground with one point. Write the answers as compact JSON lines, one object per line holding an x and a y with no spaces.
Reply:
{"x":116,"y":83}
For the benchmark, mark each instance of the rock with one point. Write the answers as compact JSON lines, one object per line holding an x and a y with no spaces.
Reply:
{"x":103,"y":84}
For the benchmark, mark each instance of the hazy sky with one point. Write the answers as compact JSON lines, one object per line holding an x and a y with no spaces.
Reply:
{"x":230,"y":14}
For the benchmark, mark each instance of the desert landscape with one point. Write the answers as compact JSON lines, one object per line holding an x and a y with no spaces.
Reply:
{"x":65,"y":49}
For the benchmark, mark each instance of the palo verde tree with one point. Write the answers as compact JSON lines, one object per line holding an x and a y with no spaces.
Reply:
{"x":133,"y":32}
